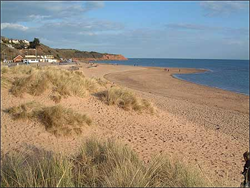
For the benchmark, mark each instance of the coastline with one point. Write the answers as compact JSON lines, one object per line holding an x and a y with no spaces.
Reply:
{"x":176,"y":75}
{"x":203,"y":89}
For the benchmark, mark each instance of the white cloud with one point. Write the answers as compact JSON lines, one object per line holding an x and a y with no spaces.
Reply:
{"x":46,"y":10}
{"x":188,"y":26}
{"x":208,"y":28}
{"x":214,"y":8}
{"x":13,"y":26}
{"x":39,"y":17}
{"x":94,"y":5}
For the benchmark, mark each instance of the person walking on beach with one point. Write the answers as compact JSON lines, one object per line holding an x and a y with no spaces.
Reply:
{"x":246,"y":171}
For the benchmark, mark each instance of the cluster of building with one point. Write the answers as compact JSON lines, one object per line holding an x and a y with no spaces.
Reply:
{"x":11,"y":42}
{"x":14,"y":41}
{"x":34,"y":59}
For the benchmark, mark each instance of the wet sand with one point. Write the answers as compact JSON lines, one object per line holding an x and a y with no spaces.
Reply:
{"x":197,"y":124}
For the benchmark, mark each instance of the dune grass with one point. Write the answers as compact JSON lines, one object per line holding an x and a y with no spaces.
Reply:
{"x":125,"y":99}
{"x":4,"y":70}
{"x":21,"y":70}
{"x":36,"y":171}
{"x":57,"y":120}
{"x":6,"y":82}
{"x":98,"y":164}
{"x":64,"y":82}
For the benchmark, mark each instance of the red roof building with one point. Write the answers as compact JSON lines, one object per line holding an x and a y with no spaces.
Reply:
{"x":18,"y":58}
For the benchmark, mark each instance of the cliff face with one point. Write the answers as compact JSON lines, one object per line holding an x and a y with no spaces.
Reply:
{"x":113,"y":57}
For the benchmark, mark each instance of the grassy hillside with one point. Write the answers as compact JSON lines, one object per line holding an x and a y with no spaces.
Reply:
{"x":42,"y":49}
{"x":8,"y":53}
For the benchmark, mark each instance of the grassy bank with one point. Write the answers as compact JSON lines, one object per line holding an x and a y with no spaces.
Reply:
{"x":99,"y":163}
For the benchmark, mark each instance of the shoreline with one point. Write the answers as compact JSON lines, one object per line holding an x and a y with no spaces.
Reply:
{"x":235,"y":92}
{"x":199,"y":70}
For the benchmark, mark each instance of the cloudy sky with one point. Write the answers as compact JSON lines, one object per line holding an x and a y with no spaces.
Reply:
{"x":167,"y":29}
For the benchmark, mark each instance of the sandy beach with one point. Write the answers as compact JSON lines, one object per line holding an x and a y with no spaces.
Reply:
{"x":205,"y":127}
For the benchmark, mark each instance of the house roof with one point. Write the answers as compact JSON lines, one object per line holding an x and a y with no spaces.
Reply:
{"x":18,"y":56}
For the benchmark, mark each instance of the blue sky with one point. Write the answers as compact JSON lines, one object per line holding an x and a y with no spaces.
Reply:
{"x":164,"y":29}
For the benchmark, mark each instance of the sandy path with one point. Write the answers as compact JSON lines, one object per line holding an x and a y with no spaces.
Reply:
{"x":178,"y":129}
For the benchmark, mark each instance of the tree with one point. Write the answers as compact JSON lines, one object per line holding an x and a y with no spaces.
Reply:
{"x":35,"y":43}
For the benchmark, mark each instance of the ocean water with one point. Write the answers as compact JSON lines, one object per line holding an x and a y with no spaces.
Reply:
{"x":232,"y":75}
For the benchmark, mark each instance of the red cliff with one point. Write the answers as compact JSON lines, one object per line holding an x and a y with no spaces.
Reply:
{"x":113,"y":57}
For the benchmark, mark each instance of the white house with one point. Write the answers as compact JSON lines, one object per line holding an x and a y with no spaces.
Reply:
{"x":29,"y":60}
{"x":27,"y":42}
{"x":30,"y":56}
{"x":48,"y":58}
{"x":15,"y":41}
{"x":52,"y":60}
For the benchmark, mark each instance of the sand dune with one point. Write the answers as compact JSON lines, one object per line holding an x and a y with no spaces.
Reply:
{"x":196,"y":124}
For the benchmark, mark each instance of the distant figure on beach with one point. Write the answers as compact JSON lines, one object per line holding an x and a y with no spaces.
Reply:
{"x":246,"y":171}
{"x":179,"y":70}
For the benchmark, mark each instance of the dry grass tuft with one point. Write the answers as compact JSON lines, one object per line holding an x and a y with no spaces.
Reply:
{"x":102,"y":82}
{"x":64,"y":82}
{"x":62,"y":121}
{"x":25,"y":111}
{"x":99,"y":164}
{"x":6,"y":82}
{"x":109,"y":164}
{"x":106,"y":163}
{"x":126,"y":99}
{"x":22,"y":69}
{"x":171,"y":173}
{"x":57,"y":120}
{"x":4,"y":70}
{"x":44,"y":171}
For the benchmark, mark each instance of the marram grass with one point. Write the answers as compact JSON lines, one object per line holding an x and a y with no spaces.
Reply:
{"x":98,"y":164}
{"x":126,"y":99}
{"x":57,"y":120}
{"x":36,"y":81}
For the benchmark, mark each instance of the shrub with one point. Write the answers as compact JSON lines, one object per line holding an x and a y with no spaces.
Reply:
{"x":126,"y":99}
{"x":57,"y":120}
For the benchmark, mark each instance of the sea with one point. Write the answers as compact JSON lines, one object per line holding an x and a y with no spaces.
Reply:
{"x":231,"y":75}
